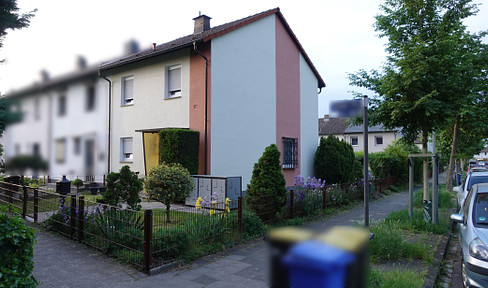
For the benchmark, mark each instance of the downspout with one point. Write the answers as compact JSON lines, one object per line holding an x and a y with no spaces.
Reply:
{"x":206,"y":102}
{"x":109,"y":117}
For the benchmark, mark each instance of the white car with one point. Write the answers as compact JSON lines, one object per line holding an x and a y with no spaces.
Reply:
{"x":471,"y":179}
{"x":473,"y":232}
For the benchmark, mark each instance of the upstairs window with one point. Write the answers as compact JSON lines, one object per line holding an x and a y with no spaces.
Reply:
{"x":290,"y":153}
{"x":174,"y":81}
{"x":37,"y":109}
{"x":126,"y":150}
{"x":90,"y":98}
{"x":127,"y":90}
{"x":77,"y":145}
{"x":62,"y":105}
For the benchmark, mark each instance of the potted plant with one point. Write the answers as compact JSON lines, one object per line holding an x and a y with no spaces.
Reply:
{"x":78,"y":183}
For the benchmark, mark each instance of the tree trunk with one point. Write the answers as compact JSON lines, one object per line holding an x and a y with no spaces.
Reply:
{"x":167,"y":214}
{"x":452,"y":158}
{"x":425,"y":137}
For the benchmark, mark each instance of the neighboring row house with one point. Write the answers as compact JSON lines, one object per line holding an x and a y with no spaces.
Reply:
{"x":378,"y":137}
{"x":243,"y":85}
{"x":64,"y":121}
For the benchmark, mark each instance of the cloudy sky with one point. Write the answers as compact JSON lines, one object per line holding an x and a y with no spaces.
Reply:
{"x":337,"y":35}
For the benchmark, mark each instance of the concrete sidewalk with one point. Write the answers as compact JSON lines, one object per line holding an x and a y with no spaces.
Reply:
{"x":59,"y":262}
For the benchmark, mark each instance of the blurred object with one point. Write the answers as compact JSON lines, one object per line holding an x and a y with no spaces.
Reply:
{"x":280,"y":241}
{"x":316,"y":264}
{"x":21,"y":163}
{"x":345,"y":108}
{"x":63,"y":186}
{"x":356,"y":241}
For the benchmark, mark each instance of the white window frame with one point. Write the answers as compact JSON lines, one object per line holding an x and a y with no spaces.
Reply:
{"x":175,"y":93}
{"x":357,"y":141}
{"x":126,"y":101}
{"x":376,"y":140}
{"x":126,"y":155}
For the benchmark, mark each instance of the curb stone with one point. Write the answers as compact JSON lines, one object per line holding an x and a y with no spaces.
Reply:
{"x":434,"y":270}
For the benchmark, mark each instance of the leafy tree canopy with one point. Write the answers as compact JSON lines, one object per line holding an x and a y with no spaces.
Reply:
{"x":11,"y":19}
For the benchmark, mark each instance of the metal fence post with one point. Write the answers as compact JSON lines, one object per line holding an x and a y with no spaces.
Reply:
{"x":239,"y":214}
{"x":36,"y":205}
{"x":147,"y":240}
{"x":291,"y":203}
{"x":24,"y":202}
{"x":324,"y":198}
{"x":81,"y":218}
{"x":72,"y":219}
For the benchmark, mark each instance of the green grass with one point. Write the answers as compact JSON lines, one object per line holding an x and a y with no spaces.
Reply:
{"x":417,"y":225}
{"x":445,"y":198}
{"x":388,"y":244}
{"x":398,"y":278}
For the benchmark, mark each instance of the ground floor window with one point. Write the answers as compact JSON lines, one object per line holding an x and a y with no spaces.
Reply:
{"x":290,"y":153}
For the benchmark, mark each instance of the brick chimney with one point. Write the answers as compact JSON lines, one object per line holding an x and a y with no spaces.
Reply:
{"x":202,"y":23}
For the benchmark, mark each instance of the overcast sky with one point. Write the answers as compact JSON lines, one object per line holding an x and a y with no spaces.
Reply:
{"x":336,"y":34}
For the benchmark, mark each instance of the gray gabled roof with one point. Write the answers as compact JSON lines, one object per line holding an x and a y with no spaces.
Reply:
{"x":340,"y":126}
{"x":371,"y":129}
{"x":332,"y":126}
{"x":207,"y":35}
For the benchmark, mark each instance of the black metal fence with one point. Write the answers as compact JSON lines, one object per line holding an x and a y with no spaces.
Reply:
{"x":151,"y":238}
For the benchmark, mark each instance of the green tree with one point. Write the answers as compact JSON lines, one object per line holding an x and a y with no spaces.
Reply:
{"x":11,"y":19}
{"x":417,"y":87}
{"x":334,"y":161}
{"x":123,"y":186}
{"x":168,"y":183}
{"x":266,"y":193}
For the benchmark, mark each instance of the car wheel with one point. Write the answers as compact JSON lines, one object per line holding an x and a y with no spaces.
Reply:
{"x":464,"y":276}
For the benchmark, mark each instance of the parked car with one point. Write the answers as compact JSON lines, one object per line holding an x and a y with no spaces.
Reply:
{"x":473,"y":231}
{"x":471,"y":179}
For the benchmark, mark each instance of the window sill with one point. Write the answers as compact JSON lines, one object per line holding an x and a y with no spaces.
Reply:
{"x":126,"y":105}
{"x":172,"y":97}
{"x":126,"y":161}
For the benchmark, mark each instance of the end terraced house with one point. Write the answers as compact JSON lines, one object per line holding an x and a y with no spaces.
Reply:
{"x":243,"y":85}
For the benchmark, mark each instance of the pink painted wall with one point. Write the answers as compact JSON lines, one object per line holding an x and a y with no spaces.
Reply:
{"x":287,"y":93}
{"x":197,"y":102}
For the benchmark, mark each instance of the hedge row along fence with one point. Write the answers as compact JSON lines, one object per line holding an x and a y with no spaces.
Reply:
{"x":145,"y":239}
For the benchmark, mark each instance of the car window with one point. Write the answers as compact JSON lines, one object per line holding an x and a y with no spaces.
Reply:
{"x":480,"y":215}
{"x":477,"y":179}
{"x":466,"y":204}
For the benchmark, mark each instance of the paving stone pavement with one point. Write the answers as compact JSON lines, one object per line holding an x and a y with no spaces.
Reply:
{"x":59,"y":262}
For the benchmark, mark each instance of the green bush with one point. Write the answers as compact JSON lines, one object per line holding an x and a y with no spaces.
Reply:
{"x":334,"y":161}
{"x":16,"y":253}
{"x":252,"y":225}
{"x":169,"y":243}
{"x":266,"y":193}
{"x":168,"y":184}
{"x":384,"y":165}
{"x":180,"y":146}
{"x":123,"y":186}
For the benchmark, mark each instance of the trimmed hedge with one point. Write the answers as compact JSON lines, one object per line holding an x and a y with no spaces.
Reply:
{"x":180,"y":146}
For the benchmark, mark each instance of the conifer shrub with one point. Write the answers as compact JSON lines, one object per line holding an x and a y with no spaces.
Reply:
{"x":334,"y":161}
{"x":266,"y":193}
{"x":123,"y":187}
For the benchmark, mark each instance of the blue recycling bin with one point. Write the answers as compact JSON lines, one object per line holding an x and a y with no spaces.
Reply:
{"x":459,"y":178}
{"x":315,"y":264}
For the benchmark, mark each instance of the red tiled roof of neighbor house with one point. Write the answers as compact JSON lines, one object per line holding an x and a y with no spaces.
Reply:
{"x":187,"y":41}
